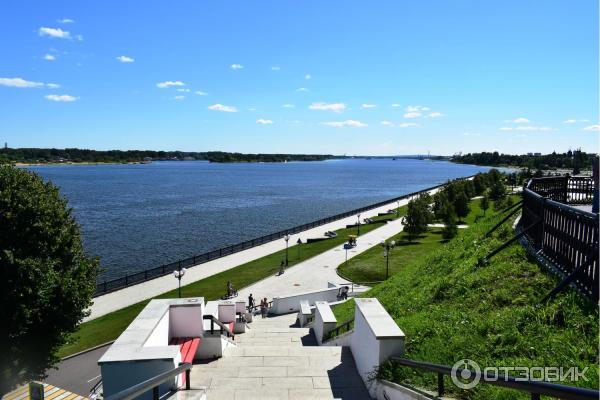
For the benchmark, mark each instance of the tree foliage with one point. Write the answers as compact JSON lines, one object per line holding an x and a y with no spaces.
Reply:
{"x":461,"y":205}
{"x":450,"y":228}
{"x":46,"y":280}
{"x":575,"y":160}
{"x":484,"y":203}
{"x":418,"y":216}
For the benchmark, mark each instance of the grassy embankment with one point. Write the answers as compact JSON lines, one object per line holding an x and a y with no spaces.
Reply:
{"x":450,"y":308}
{"x":110,"y":326}
{"x":370,"y":265}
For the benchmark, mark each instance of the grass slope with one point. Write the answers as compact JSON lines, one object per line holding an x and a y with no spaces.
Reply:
{"x":450,"y":308}
{"x":110,"y":326}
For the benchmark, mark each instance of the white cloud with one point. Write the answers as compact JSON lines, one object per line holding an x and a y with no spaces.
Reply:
{"x":65,"y":98}
{"x":570,"y":121}
{"x":308,"y":77}
{"x":412,"y":114}
{"x":533,"y":128}
{"x":396,"y":105}
{"x":178,"y":97}
{"x":520,"y":120}
{"x":407,"y":124}
{"x":275,"y":68}
{"x":471,"y":134}
{"x":417,"y":108}
{"x":236,"y":66}
{"x":347,"y":123}
{"x":183,"y":90}
{"x":65,"y":21}
{"x":368,"y":106}
{"x":22,"y":83}
{"x":201,"y":93}
{"x":263,"y":121}
{"x":125,"y":59}
{"x":387,"y":123}
{"x":54,"y":32}
{"x":168,"y":84}
{"x":506,"y":128}
{"x":49,"y":57}
{"x":335,"y":107}
{"x":223,"y":108}
{"x":288,"y":106}
{"x":302,"y":89}
{"x":593,"y":128}
{"x":435,"y":114}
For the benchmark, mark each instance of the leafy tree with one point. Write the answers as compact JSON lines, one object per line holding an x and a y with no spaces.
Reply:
{"x":497,"y":190}
{"x":46,"y":280}
{"x":450,"y":228}
{"x":461,"y":205}
{"x":479,"y":184}
{"x":484,"y":203}
{"x":500,"y":204}
{"x":418,"y":215}
{"x":440,"y":204}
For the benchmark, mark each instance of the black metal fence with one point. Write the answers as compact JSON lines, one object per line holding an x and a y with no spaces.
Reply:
{"x":108,"y":286}
{"x":564,"y":235}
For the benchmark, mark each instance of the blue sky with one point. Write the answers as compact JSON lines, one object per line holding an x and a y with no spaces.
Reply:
{"x":342,"y":77}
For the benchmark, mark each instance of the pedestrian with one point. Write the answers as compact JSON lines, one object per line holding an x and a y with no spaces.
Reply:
{"x":281,"y":267}
{"x":264,"y":305}
{"x":250,"y":303}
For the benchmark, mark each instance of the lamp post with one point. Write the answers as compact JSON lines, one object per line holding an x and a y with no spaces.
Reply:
{"x":387,"y":248}
{"x":286,"y":238}
{"x":358,"y":225}
{"x":179,"y":273}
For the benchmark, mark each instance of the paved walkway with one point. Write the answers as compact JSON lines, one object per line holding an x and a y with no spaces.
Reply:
{"x":275,"y":360}
{"x":122,"y":298}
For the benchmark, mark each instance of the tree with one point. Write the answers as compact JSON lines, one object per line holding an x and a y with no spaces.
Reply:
{"x":484,"y":203}
{"x":461,"y":205}
{"x":450,"y":229}
{"x":440,"y":204}
{"x":479,"y":184}
{"x":418,"y":215}
{"x":46,"y":279}
{"x":497,"y":190}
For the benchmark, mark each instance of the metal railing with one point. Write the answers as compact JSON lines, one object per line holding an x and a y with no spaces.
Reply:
{"x":108,"y":286}
{"x":535,"y":388}
{"x":565,"y":236}
{"x":345,"y":326}
{"x":153,"y":384}
{"x":223,"y":329}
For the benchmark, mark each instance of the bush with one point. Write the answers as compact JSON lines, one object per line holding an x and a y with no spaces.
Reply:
{"x":418,"y":215}
{"x":46,"y":280}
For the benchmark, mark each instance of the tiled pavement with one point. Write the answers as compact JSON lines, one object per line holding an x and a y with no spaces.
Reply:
{"x":275,"y":360}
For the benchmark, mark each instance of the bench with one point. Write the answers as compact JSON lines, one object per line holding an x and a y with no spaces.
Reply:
{"x":187,"y":348}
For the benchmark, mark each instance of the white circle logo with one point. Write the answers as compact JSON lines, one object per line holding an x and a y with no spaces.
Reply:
{"x":466,"y":370}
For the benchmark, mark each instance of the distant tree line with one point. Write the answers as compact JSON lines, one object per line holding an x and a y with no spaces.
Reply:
{"x":573,"y":160}
{"x":38,"y":155}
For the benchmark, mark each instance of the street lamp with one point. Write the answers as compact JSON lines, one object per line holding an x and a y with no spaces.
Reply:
{"x":387,"y":248}
{"x":179,"y":273}
{"x":358,"y":226}
{"x":286,"y":238}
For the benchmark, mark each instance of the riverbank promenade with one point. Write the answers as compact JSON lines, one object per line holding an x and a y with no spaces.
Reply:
{"x":321,"y":268}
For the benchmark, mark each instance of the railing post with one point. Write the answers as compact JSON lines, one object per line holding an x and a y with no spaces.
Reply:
{"x":440,"y":384}
{"x":145,"y":274}
{"x":126,"y":276}
{"x":187,"y":379}
{"x":105,"y":285}
{"x":212,"y":326}
{"x":155,"y":393}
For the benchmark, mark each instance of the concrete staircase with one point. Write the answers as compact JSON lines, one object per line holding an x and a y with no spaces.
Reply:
{"x":276,"y":360}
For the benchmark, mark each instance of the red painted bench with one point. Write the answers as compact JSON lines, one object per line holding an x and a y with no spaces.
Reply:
{"x":187,"y":348}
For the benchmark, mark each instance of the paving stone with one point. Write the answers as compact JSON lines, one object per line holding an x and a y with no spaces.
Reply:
{"x":261,"y":394}
{"x":288,"y":382}
{"x":263,"y":372}
{"x":235,"y":383}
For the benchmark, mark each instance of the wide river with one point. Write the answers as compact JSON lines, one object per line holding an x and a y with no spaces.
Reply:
{"x":140,"y":216}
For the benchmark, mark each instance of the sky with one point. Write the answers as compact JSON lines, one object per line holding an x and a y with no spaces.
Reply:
{"x":320,"y":77}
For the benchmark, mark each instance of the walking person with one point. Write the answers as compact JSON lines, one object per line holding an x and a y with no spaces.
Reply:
{"x":264,"y":305}
{"x":250,"y":303}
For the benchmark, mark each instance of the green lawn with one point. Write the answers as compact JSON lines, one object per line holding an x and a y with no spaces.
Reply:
{"x":110,"y":326}
{"x":370,"y":266}
{"x":451,"y":308}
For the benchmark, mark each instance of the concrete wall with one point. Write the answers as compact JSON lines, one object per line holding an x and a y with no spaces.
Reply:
{"x":185,"y":321}
{"x":287,"y":304}
{"x":227,"y":311}
{"x":325,"y":321}
{"x":213,"y":347}
{"x":119,"y":376}
{"x":160,"y":334}
{"x":392,"y":391}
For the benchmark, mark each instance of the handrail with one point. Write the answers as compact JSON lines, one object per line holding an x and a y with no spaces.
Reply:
{"x":94,"y":389}
{"x":535,"y":388}
{"x":221,"y":325}
{"x":108,"y":286}
{"x":152,"y":383}
{"x":336,"y":331}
